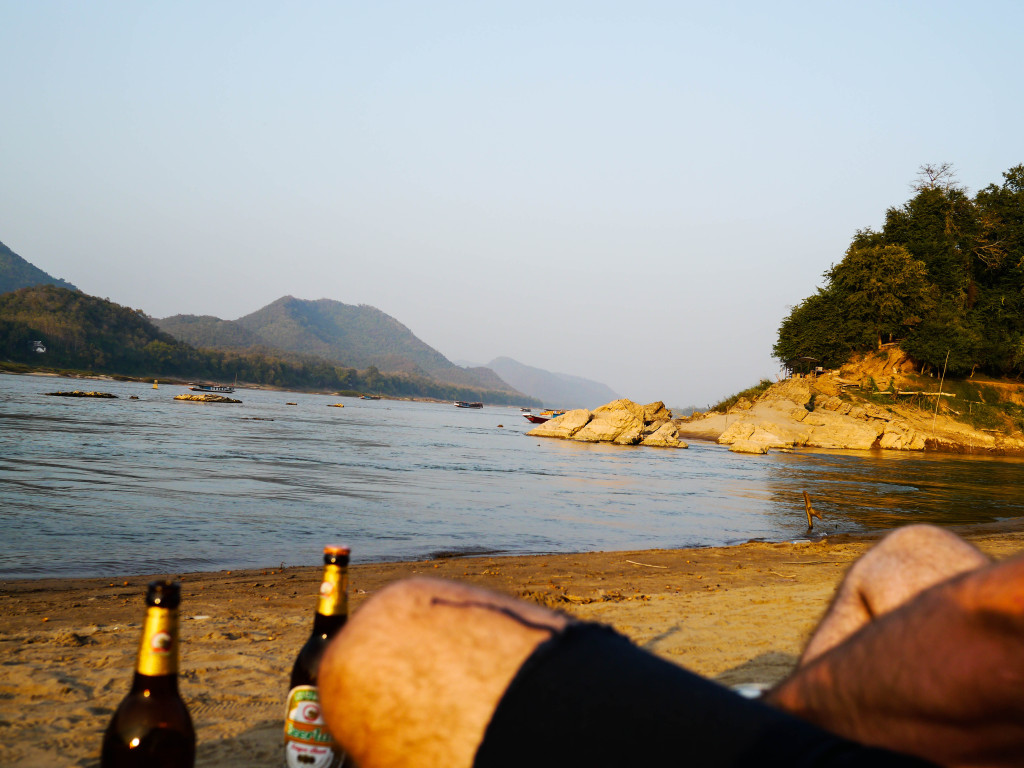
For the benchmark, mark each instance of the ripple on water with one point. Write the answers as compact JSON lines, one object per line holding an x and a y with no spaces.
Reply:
{"x":158,"y":486}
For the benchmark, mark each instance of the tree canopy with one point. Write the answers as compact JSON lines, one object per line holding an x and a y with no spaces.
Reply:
{"x":945,"y":275}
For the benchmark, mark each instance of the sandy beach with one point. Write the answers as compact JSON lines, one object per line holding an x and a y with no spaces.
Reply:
{"x":736,"y":614}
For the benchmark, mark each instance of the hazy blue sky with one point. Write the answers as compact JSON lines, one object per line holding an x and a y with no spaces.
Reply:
{"x":632,"y":192}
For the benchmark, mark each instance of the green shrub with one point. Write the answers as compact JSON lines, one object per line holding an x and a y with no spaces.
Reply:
{"x":750,"y":393}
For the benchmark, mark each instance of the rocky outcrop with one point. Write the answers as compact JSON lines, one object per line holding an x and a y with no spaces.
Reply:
{"x":748,"y":446}
{"x":826,"y":413}
{"x":79,"y":393}
{"x":621,"y":422}
{"x":207,"y":398}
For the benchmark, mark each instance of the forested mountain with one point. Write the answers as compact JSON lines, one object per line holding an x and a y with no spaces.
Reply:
{"x":556,"y":390}
{"x":944,"y":278}
{"x":17,"y":273}
{"x":209,"y":332}
{"x":53,"y":327}
{"x":84,"y":332}
{"x":353,"y":336}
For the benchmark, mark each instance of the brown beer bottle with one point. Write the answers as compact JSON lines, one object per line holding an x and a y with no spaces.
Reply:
{"x":151,"y":727}
{"x":307,"y":742}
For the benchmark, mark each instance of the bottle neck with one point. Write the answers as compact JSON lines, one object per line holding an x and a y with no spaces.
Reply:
{"x":158,"y":649}
{"x":334,"y":592}
{"x":328,"y":625}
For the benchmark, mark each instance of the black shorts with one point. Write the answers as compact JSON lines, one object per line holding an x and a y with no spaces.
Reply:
{"x":589,"y":697}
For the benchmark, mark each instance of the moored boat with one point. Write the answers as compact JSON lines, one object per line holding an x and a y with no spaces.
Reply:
{"x":544,"y":416}
{"x":214,"y":388}
{"x":464,"y":404}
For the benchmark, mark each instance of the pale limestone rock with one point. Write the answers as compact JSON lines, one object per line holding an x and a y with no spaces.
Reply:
{"x":622,"y":404}
{"x":622,"y":422}
{"x":666,"y":436}
{"x":738,"y":430}
{"x":654,"y":426}
{"x":824,"y":419}
{"x":844,"y":434}
{"x":656,"y":412}
{"x":621,"y":426}
{"x":893,"y":439}
{"x":776,"y":435}
{"x":748,"y":446}
{"x":797,"y":412}
{"x":565,"y":426}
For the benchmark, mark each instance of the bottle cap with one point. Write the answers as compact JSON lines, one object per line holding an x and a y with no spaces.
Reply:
{"x":336,"y":554}
{"x":163,"y":594}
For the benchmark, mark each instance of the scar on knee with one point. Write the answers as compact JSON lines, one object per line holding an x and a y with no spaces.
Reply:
{"x":496,"y":609}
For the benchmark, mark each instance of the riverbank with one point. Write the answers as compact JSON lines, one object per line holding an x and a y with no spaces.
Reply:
{"x":19,"y":369}
{"x":833,"y":411}
{"x":737,"y":614}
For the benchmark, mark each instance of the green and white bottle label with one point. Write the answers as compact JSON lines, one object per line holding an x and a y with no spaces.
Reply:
{"x":307,"y":742}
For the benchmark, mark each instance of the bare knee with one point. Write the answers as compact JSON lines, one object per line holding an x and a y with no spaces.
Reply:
{"x":905,"y":563}
{"x":909,"y":560}
{"x":924,"y":538}
{"x":415,"y":676}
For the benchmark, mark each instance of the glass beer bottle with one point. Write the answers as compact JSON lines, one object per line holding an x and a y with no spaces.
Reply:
{"x":307,"y":742}
{"x":151,"y":728}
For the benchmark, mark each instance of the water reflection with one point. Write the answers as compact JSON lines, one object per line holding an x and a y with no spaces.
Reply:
{"x":155,"y":485}
{"x":882,"y":489}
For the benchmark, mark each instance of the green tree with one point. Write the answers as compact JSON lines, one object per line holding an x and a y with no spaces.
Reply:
{"x":815,"y":333}
{"x":883,"y":288}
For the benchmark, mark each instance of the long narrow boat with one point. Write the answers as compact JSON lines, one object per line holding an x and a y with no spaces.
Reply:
{"x":215,"y":388}
{"x":544,"y":416}
{"x":464,"y":404}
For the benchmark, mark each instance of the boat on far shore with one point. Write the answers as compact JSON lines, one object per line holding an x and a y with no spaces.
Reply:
{"x":369,"y":397}
{"x":464,"y":404}
{"x":214,"y":388}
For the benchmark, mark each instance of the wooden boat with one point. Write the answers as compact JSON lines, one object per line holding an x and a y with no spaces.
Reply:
{"x":214,"y":388}
{"x":464,"y":404}
{"x":370,"y":397}
{"x":544,"y":416}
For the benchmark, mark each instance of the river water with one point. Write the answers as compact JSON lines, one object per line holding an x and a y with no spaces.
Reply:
{"x":92,"y":487}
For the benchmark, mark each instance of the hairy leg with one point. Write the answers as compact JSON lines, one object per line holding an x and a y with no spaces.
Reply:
{"x":434,"y":657}
{"x":420,"y":677}
{"x":939,"y":676}
{"x":905,"y":563}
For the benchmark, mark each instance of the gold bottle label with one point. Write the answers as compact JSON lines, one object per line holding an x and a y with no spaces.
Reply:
{"x":158,"y":650}
{"x":307,"y":742}
{"x":334,"y":591}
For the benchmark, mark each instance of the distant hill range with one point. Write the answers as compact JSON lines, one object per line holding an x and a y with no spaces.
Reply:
{"x":46,"y":326}
{"x":354,"y":336}
{"x":17,"y":273}
{"x":556,"y":390}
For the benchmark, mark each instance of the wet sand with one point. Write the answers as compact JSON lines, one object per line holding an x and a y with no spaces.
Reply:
{"x":737,"y":614}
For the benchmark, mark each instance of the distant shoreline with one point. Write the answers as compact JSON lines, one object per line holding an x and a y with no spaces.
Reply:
{"x":184,"y":383}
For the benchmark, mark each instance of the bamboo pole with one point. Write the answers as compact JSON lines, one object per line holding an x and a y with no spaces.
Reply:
{"x":941,"y":379}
